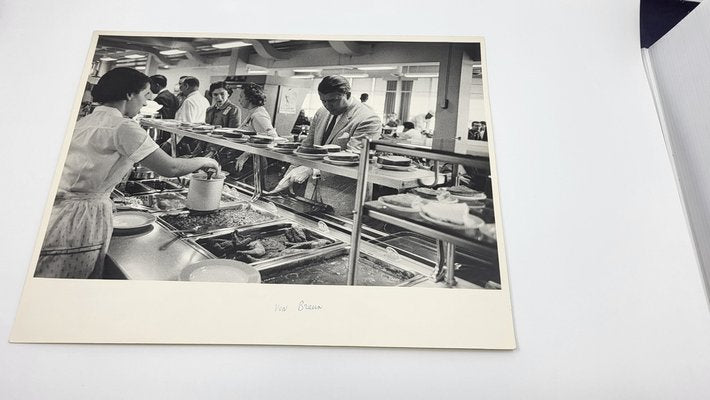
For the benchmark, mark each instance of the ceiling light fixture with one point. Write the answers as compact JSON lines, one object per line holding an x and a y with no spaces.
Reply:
{"x":355,"y":75}
{"x":230,"y":45}
{"x":302,"y":77}
{"x":257,"y":72}
{"x":313,"y":70}
{"x":420,"y":75}
{"x":135,"y":56}
{"x":375,"y":68}
{"x":140,"y":68}
{"x":172,"y":52}
{"x":107,"y":59}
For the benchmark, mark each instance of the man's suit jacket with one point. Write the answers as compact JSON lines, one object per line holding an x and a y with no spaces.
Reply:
{"x":169,"y":103}
{"x":357,"y":122}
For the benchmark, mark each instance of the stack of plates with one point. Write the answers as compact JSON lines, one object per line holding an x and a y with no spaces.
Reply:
{"x":311,"y":153}
{"x":464,"y":193}
{"x":394,"y":163}
{"x":285,"y":147}
{"x":345,"y":158}
{"x":260,"y":141}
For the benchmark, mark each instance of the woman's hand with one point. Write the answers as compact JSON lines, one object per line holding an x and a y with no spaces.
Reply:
{"x":208,"y":163}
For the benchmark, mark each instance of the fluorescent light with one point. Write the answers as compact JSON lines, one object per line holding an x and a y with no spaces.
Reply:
{"x":257,"y":72}
{"x":313,"y":70}
{"x":383,"y":68}
{"x":230,"y":45}
{"x":107,"y":59}
{"x":164,"y":66}
{"x":135,"y":56}
{"x":421,"y":75}
{"x":355,"y":75}
{"x":302,"y":77}
{"x":172,"y":52}
{"x":140,"y":68}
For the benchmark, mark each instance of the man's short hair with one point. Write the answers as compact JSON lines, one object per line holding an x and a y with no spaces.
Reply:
{"x":192,"y":82}
{"x":159,"y":80}
{"x":364,"y":97}
{"x":334,"y":84}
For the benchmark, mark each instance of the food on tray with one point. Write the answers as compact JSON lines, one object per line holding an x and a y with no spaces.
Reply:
{"x":334,"y":271}
{"x":315,"y":150}
{"x":456,"y":213}
{"x":344,"y":156}
{"x":406,"y":200}
{"x":434,"y":194}
{"x":462,"y":191}
{"x":398,"y":161}
{"x":332,"y":148}
{"x":288,"y":145}
{"x":224,"y":218}
{"x":261,"y":139}
{"x":268,"y":244}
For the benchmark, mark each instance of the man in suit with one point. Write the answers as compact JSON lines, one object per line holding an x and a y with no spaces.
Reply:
{"x":164,"y":97}
{"x":343,"y":121}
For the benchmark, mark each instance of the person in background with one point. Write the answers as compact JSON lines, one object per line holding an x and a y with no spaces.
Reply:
{"x":103,"y":149}
{"x":411,"y":134}
{"x":483,"y":132}
{"x":425,"y":123}
{"x":256,"y":118}
{"x":158,"y":85}
{"x":473,"y":132}
{"x":222,"y":112}
{"x":178,"y":92}
{"x":194,"y":107}
{"x":343,"y":121}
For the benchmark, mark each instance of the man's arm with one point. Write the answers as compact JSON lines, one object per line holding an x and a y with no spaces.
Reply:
{"x":370,"y":127}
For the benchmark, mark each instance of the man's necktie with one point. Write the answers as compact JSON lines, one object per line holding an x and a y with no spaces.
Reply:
{"x":329,"y":129}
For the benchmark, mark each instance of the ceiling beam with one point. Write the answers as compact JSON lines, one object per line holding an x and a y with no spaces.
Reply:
{"x":350,"y":48}
{"x":267,"y":50}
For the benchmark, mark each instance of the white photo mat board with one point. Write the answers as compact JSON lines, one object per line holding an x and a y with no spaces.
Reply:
{"x":106,"y":311}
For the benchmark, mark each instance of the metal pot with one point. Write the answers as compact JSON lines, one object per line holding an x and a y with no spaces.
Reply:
{"x":204,"y":194}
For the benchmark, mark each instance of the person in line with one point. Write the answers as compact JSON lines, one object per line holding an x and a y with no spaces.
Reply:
{"x":195,"y":105}
{"x":104,"y":147}
{"x":158,"y":85}
{"x":256,"y":119}
{"x":411,"y":135}
{"x":222,"y":112}
{"x":343,"y":121}
{"x":178,"y":92}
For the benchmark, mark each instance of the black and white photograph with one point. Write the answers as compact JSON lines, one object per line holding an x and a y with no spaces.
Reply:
{"x":279,"y":161}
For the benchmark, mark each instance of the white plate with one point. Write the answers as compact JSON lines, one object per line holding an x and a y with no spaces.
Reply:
{"x":477,"y":196}
{"x":218,"y":270}
{"x":396,"y":167}
{"x":340,"y":162}
{"x":238,"y":139}
{"x":488,"y":230}
{"x":259,"y":145}
{"x":471,"y":222}
{"x":132,"y":219}
{"x":416,"y":208}
{"x":310,"y":156}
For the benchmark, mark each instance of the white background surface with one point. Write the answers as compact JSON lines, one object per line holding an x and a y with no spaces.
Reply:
{"x":606,"y":290}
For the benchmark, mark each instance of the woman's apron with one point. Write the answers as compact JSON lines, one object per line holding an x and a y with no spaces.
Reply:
{"x":77,"y":236}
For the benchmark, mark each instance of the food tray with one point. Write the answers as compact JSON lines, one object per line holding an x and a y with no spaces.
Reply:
{"x":274,"y":240}
{"x":238,"y":215}
{"x":333,"y":270}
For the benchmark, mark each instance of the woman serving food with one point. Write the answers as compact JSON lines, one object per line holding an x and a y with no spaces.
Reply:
{"x":103,"y":148}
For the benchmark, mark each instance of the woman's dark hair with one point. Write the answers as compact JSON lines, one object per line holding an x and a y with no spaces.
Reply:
{"x":116,"y":84}
{"x":254,"y":94}
{"x":220,"y":85}
{"x":334,"y":84}
{"x":408,"y":125}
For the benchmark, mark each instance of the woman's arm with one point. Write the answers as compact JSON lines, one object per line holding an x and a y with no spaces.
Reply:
{"x":262,"y":124}
{"x":167,"y":166}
